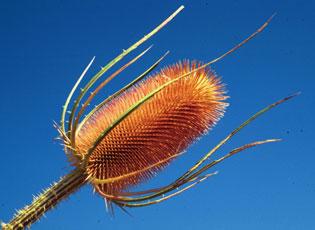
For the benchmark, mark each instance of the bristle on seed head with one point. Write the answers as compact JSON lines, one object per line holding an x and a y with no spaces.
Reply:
{"x":152,"y":135}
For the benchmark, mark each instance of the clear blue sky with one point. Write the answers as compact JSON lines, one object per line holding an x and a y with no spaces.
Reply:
{"x":44,"y":45}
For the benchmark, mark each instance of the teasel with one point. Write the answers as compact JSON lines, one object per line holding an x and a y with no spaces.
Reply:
{"x":138,"y":131}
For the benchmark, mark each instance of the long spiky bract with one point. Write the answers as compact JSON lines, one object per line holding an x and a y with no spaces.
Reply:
{"x":136,"y":80}
{"x":138,"y":131}
{"x":99,"y":87}
{"x":112,"y":63}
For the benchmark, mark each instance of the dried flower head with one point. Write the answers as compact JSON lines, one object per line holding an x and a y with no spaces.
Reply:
{"x":156,"y":132}
{"x":137,"y":131}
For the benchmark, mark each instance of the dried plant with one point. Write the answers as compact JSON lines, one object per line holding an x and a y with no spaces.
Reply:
{"x":137,"y":131}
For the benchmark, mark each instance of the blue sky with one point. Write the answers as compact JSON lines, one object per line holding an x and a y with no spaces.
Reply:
{"x":44,"y":45}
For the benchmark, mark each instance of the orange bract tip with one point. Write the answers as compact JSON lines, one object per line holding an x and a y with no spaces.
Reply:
{"x":147,"y":139}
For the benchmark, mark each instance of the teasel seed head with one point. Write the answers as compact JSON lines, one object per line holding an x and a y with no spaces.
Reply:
{"x":155,"y":133}
{"x":139,"y":130}
{"x":142,"y":127}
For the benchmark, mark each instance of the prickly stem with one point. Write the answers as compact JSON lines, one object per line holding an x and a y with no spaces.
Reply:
{"x":48,"y":199}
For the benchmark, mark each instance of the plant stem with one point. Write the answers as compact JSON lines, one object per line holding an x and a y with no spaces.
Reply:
{"x":47,"y":200}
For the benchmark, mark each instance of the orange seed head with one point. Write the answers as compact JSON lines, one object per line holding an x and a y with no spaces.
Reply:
{"x":147,"y":139}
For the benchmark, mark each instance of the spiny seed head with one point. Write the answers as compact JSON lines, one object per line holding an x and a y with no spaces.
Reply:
{"x":137,"y":131}
{"x":147,"y":139}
